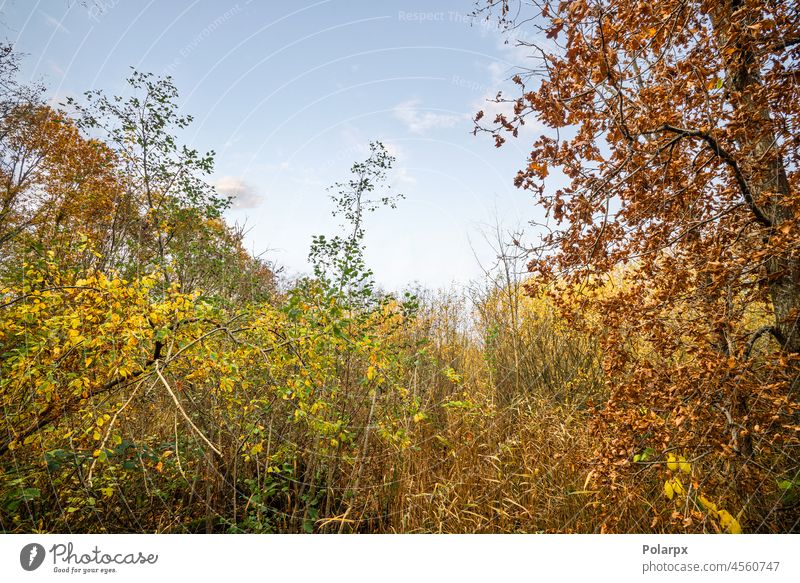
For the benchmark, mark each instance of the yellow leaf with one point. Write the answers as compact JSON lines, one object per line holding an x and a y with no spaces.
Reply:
{"x":672,"y":464}
{"x":370,"y":373}
{"x":677,"y":487}
{"x":708,"y":504}
{"x":729,"y":523}
{"x":685,"y":466}
{"x":668,"y":491}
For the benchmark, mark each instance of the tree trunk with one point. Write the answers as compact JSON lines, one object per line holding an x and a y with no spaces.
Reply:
{"x":762,"y":160}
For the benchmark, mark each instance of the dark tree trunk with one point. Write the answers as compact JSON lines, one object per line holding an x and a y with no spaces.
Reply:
{"x":762,"y":161}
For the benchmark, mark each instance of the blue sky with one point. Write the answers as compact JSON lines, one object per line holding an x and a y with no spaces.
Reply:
{"x":289,"y":95}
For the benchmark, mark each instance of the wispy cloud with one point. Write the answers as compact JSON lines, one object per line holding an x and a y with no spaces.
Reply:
{"x":243,"y":194}
{"x":402,"y":176}
{"x":53,"y":22}
{"x":55,"y":68}
{"x":420,"y":122}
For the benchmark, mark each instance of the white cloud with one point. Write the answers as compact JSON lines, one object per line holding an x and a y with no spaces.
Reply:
{"x":499,"y":73}
{"x":55,"y":68}
{"x":53,"y":22}
{"x":244,"y":195}
{"x":401,"y":176}
{"x":393,"y":149}
{"x":232,"y":141}
{"x":420,"y":122}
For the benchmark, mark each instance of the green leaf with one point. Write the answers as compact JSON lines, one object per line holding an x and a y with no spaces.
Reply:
{"x":31,"y":494}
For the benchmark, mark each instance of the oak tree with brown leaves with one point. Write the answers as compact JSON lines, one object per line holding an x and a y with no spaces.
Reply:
{"x":668,"y":171}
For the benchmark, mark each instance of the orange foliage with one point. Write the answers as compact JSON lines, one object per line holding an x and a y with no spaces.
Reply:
{"x":676,"y":133}
{"x":55,"y":181}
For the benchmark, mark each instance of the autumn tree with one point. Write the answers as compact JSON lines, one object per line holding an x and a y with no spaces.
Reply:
{"x":56,"y":183}
{"x":167,"y":180}
{"x":99,"y":232}
{"x":670,"y":170}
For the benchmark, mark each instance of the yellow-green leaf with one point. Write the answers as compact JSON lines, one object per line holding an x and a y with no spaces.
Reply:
{"x":672,"y":463}
{"x":729,"y":523}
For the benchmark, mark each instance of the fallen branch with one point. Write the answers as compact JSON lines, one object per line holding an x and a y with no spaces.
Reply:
{"x":183,"y":412}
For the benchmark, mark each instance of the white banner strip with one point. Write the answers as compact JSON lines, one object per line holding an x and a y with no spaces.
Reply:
{"x":389,"y":558}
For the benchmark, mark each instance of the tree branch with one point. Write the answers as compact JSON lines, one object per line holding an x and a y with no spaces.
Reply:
{"x":772,"y":330}
{"x":726,"y":157}
{"x":183,"y":412}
